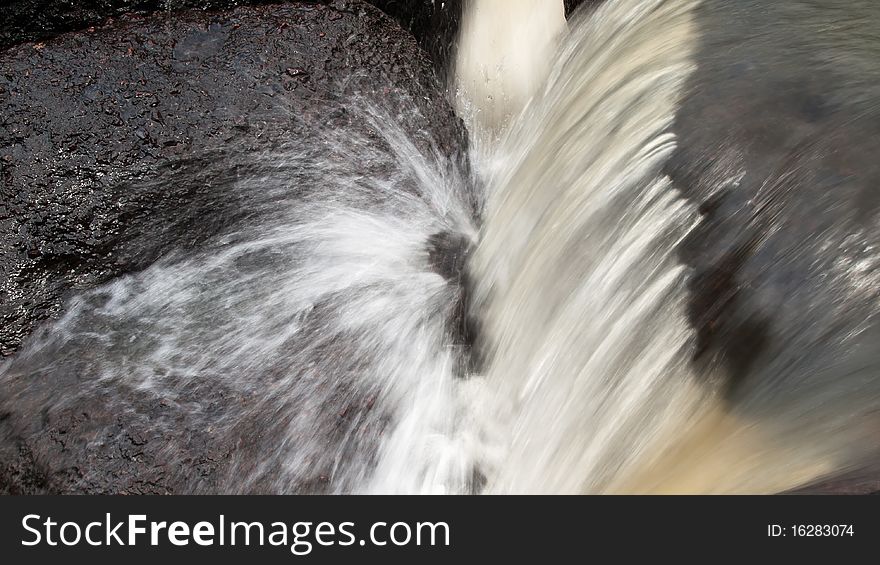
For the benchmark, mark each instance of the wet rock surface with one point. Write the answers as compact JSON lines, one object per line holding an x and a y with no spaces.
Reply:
{"x":433,"y":23}
{"x":118,"y":145}
{"x":775,"y":147}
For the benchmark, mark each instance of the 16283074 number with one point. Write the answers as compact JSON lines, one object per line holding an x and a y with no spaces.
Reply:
{"x":821,"y":530}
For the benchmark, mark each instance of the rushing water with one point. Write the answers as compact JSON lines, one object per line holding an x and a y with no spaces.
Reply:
{"x":322,"y":316}
{"x":586,"y":299}
{"x":582,"y":296}
{"x":332,"y":320}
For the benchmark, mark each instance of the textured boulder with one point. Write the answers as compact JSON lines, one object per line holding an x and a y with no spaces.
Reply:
{"x":433,"y":23}
{"x":118,"y":145}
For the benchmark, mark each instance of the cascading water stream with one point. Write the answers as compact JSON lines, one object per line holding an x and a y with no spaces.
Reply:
{"x":330,"y":320}
{"x":578,"y":282}
{"x":586,"y":304}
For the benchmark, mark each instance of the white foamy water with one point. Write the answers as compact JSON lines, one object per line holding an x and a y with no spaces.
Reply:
{"x":504,"y":52}
{"x":579,"y":286}
{"x":584,"y":301}
{"x":321,"y":314}
{"x":322,"y":339}
{"x":324,"y":315}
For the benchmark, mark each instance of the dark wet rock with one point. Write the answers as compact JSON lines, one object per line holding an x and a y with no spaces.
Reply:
{"x":118,"y":145}
{"x":862,"y":481}
{"x":572,"y":5}
{"x":433,"y":23}
{"x":776,"y":145}
{"x":448,"y":254}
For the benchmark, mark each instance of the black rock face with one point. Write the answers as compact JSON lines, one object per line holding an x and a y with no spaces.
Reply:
{"x":434,"y":24}
{"x":572,"y":5}
{"x":32,"y":20}
{"x":118,"y":145}
{"x":775,"y":145}
{"x":776,"y":141}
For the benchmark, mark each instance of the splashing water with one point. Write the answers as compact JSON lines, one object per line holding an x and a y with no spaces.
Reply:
{"x":322,"y":317}
{"x":323,"y":335}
